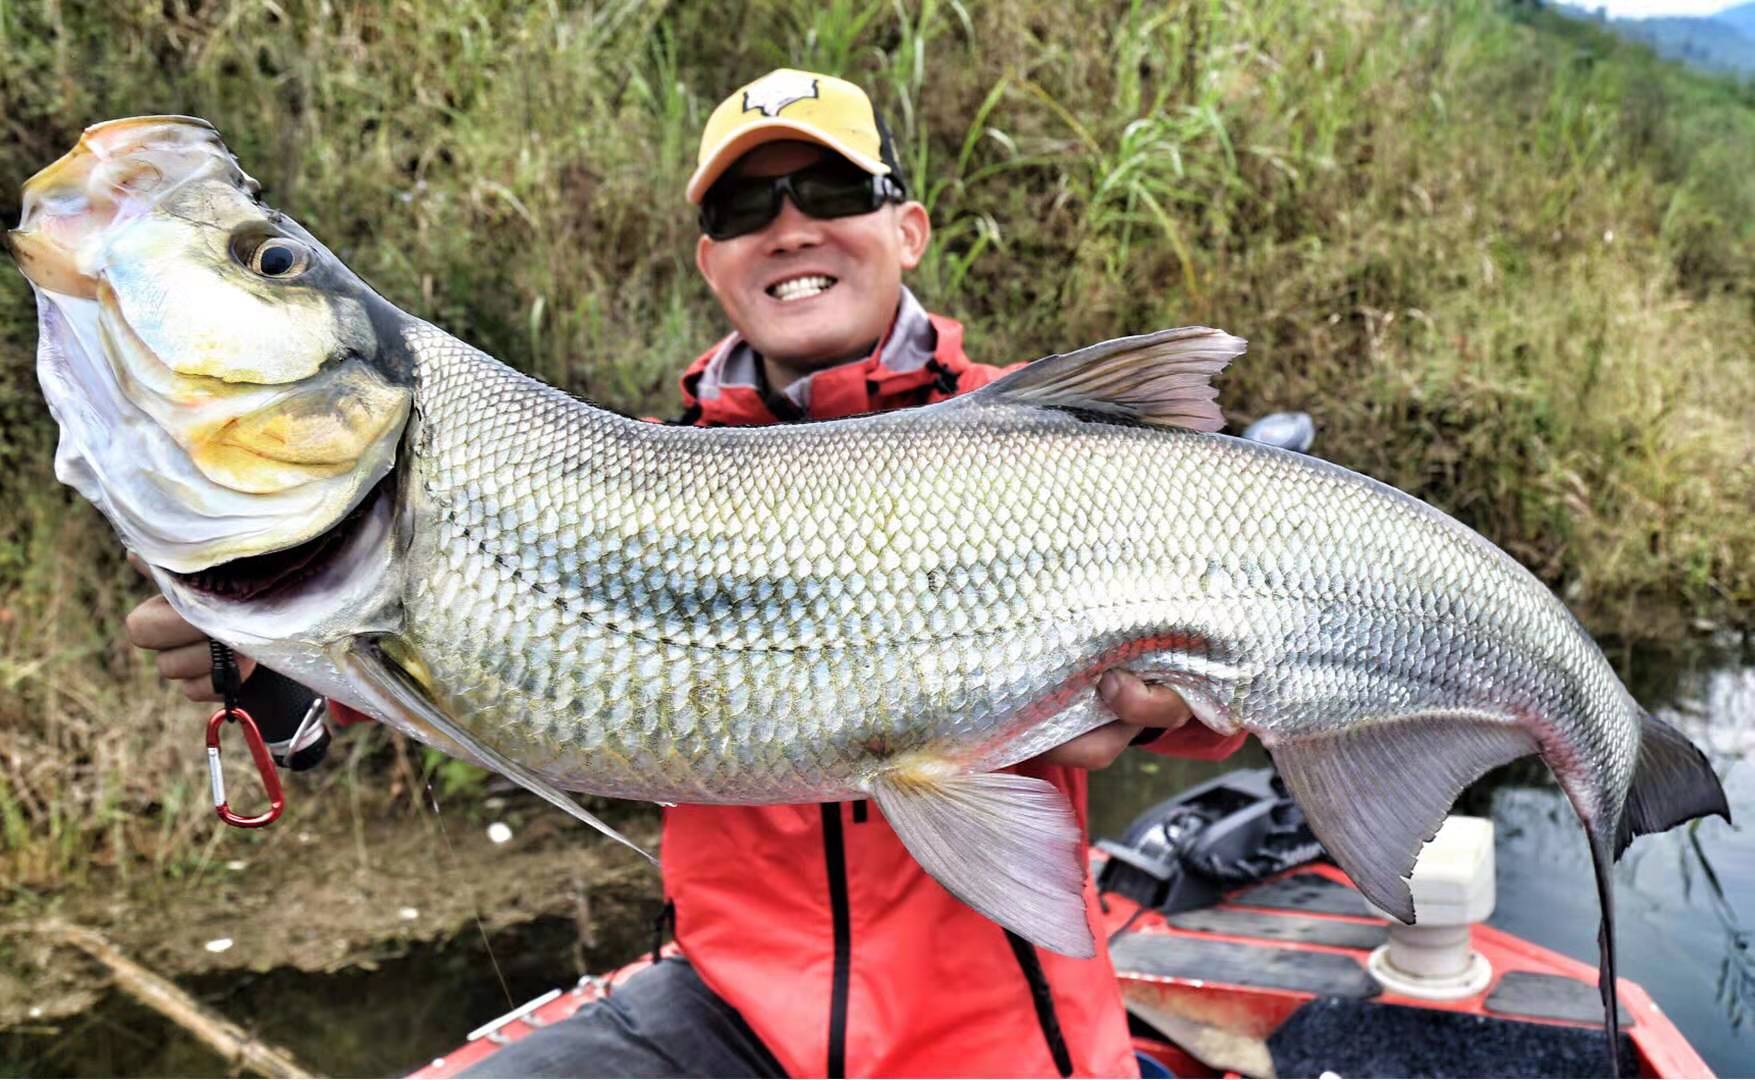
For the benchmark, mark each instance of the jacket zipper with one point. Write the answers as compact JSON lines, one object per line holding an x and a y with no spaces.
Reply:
{"x":1043,"y":999}
{"x":835,"y":856}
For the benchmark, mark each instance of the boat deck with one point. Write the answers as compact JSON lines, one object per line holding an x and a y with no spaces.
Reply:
{"x":1274,"y":978}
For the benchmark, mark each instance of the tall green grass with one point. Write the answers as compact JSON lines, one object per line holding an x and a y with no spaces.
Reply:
{"x":1503,"y":258}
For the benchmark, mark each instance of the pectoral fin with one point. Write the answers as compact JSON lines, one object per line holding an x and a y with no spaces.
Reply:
{"x":1008,"y":846}
{"x":368,"y":660}
{"x":1375,"y":793}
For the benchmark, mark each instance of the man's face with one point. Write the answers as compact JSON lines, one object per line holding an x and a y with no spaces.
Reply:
{"x":768,"y":281}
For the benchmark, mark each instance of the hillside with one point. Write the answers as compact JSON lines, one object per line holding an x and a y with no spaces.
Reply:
{"x":1724,"y":42}
{"x":1502,"y":257}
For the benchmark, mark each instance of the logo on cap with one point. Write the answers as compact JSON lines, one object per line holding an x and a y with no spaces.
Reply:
{"x":772,"y":93}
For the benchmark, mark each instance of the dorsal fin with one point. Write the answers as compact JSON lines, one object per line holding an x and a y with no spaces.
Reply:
{"x":1164,"y":379}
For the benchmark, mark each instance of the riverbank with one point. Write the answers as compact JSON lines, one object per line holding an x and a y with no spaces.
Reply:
{"x":324,"y":898}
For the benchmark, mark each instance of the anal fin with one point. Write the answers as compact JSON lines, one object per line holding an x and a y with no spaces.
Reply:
{"x":1006,"y":845}
{"x":367,"y":660}
{"x":1376,"y":792}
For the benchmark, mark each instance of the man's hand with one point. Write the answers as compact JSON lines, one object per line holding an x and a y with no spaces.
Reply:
{"x":1139,"y":704}
{"x":183,"y":655}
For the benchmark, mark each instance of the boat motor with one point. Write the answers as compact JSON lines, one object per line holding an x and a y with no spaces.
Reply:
{"x":1185,"y":852}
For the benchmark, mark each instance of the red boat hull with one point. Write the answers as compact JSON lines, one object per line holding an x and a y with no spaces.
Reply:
{"x":1246,"y":1013}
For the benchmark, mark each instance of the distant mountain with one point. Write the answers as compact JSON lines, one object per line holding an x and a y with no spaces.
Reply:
{"x":1742,"y":17}
{"x":1722,"y":42}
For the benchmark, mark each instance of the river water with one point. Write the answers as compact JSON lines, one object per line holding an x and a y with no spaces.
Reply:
{"x":1686,"y":908}
{"x":1685,"y":899}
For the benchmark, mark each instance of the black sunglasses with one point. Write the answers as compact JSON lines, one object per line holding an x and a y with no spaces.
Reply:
{"x":737,"y":205}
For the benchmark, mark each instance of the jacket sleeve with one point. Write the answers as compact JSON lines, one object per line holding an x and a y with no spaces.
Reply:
{"x":1195,"y":740}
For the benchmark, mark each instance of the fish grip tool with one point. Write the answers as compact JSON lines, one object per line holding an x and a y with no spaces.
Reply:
{"x":228,"y":682}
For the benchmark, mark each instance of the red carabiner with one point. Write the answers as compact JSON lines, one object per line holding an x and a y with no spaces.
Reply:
{"x":264,"y":768}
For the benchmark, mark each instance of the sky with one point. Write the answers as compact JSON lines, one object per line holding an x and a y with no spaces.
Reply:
{"x":1635,"y":9}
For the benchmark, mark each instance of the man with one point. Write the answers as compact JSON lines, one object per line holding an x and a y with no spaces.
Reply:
{"x":812,"y":942}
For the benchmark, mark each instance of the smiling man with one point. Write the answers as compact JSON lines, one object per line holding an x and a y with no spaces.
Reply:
{"x":812,"y":943}
{"x":820,"y":944}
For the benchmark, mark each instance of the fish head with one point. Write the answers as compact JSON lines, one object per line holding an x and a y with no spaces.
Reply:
{"x":225,"y":387}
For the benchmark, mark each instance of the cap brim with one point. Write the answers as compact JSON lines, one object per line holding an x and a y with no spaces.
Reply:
{"x":742,"y":141}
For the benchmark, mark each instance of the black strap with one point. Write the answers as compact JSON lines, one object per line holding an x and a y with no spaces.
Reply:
{"x":944,"y":379}
{"x":666,"y":914}
{"x":1043,"y":999}
{"x":691,"y":414}
{"x":226,"y":678}
{"x":835,"y":856}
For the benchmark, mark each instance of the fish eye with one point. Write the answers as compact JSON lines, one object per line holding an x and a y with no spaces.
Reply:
{"x":278,"y":257}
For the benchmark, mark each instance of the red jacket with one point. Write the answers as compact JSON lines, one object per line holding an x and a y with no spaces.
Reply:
{"x":814,"y":922}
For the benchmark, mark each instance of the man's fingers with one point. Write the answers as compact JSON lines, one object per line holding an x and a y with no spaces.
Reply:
{"x":184,"y":656}
{"x":154,"y":624}
{"x":1141,"y":703}
{"x":186,"y":662}
{"x":139,"y":564}
{"x":200,"y":689}
{"x":1095,"y":749}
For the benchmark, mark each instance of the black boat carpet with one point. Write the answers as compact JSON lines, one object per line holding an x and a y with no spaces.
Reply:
{"x":1362,"y":1038}
{"x":1550,"y":997}
{"x":1299,"y":928}
{"x":1305,"y":892}
{"x":1331,"y":974}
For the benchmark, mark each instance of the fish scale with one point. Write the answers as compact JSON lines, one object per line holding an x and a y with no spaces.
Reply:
{"x":894,"y":607}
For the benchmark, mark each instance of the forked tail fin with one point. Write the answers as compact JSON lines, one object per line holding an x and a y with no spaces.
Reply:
{"x":1672,"y":783}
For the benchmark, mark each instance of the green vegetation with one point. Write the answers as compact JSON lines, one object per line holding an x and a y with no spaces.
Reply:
{"x":1501,"y":256}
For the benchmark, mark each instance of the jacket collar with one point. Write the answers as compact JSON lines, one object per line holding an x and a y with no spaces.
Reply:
{"x":726,"y":384}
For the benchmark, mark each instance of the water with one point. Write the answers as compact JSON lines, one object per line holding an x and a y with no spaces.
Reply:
{"x":1685,"y":899}
{"x":1686,"y":912}
{"x":381,"y":1021}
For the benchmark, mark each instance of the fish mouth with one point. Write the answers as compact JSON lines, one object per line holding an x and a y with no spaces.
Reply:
{"x":272,"y":574}
{"x":118,"y":170}
{"x":220,"y":386}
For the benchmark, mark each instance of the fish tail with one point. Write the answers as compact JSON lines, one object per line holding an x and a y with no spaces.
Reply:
{"x":1602,"y":862}
{"x":1672,"y":783}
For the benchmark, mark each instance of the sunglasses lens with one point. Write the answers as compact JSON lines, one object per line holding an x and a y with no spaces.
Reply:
{"x":833,"y":193}
{"x":742,"y":206}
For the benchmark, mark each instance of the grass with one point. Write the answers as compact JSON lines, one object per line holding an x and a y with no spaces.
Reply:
{"x":1503,"y":258}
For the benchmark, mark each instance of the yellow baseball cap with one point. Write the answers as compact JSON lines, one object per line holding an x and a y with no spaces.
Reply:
{"x":791,"y":104}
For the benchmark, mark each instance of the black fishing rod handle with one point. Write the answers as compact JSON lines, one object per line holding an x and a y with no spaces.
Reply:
{"x":279,"y":706}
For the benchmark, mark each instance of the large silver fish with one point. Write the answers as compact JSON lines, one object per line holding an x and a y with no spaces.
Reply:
{"x":895,"y":607}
